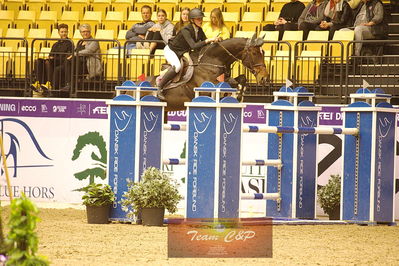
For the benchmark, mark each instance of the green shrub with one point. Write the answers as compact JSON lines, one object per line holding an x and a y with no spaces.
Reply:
{"x":98,"y":195}
{"x":329,"y":196}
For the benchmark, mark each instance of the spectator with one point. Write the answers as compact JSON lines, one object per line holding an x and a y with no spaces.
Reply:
{"x":88,"y":61}
{"x":337,"y":15}
{"x":138,"y":31}
{"x":58,"y":54}
{"x":216,"y":26}
{"x":369,"y":23}
{"x":184,"y":21}
{"x":162,"y":31}
{"x":311,"y":16}
{"x":190,"y":38}
{"x":288,"y":19}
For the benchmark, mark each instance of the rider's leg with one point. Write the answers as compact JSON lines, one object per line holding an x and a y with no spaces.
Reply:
{"x":172,"y":59}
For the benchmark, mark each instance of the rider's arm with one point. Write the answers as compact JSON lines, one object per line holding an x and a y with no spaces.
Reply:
{"x":193,"y":45}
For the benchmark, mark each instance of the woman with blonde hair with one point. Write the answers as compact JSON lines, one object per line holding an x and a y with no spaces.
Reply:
{"x":184,"y":21}
{"x":216,"y":27}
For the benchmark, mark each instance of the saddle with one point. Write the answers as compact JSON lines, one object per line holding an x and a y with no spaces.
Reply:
{"x":184,"y":75}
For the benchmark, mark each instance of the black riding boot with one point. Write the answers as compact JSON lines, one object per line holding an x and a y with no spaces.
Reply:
{"x":169,"y":75}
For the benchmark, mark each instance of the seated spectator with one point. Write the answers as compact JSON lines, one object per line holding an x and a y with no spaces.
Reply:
{"x":162,"y":31}
{"x":369,"y":23}
{"x":337,"y":15}
{"x":138,"y":31}
{"x":184,"y":21}
{"x":87,"y":59}
{"x":288,"y":19}
{"x":58,"y":54}
{"x":216,"y":27}
{"x":311,"y":17}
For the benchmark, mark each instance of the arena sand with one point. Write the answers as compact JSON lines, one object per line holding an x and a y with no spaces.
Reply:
{"x":65,"y":238}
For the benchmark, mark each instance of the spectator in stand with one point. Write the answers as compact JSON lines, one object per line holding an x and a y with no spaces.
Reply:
{"x":288,"y":19}
{"x":87,"y":59}
{"x":138,"y":31}
{"x":216,"y":26}
{"x":58,"y":54}
{"x":337,"y":15}
{"x":311,"y":17}
{"x":184,"y":21}
{"x":161,"y":31}
{"x":369,"y":23}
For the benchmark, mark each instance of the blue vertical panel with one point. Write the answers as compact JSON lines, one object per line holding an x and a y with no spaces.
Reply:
{"x":364,"y":169}
{"x":286,"y":170}
{"x":229,"y":160}
{"x":306,"y":167}
{"x":150,"y":137}
{"x":384,"y":167}
{"x":122,"y":147}
{"x":201,"y":162}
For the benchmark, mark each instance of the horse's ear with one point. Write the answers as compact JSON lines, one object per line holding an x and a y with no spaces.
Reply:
{"x":253,"y":38}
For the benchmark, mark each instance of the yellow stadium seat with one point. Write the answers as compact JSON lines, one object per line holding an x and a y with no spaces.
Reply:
{"x":271,"y":17}
{"x":344,"y":36}
{"x":170,"y":6}
{"x":134,"y":17}
{"x":58,"y":6}
{"x":122,"y":37}
{"x":291,"y":36}
{"x":1,"y":33}
{"x":47,"y":20}
{"x":190,"y":4}
{"x":158,"y":60}
{"x":235,"y":6}
{"x":308,"y":67}
{"x":257,"y":6}
{"x":14,"y":5}
{"x":138,"y":63}
{"x":35,"y":34}
{"x":93,"y":18}
{"x":113,"y":64}
{"x":208,"y":5}
{"x":279,"y":67}
{"x":44,"y":52}
{"x":231,"y":21}
{"x":317,"y":36}
{"x":106,"y":35}
{"x":269,"y":36}
{"x":124,"y":6}
{"x":5,"y":61}
{"x":36,"y":5}
{"x":76,"y":36}
{"x":277,"y":5}
{"x":79,"y":5}
{"x":114,"y":21}
{"x":6,"y":19}
{"x":140,"y":3}
{"x":25,"y":20}
{"x":71,"y":18}
{"x":251,"y":21}
{"x":14,"y":33}
{"x":21,"y":62}
{"x":101,"y":5}
{"x":244,"y":34}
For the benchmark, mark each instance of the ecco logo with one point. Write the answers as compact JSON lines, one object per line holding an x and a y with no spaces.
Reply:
{"x":59,"y":108}
{"x":28,"y":108}
{"x":102,"y":110}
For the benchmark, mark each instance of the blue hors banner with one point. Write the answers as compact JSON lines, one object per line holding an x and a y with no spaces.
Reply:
{"x":121,"y":153}
{"x":384,"y":176}
{"x":229,"y":160}
{"x":306,"y":167}
{"x":201,"y":170}
{"x":150,"y":129}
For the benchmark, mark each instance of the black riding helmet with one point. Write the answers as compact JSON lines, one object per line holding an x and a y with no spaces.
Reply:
{"x":196,"y":13}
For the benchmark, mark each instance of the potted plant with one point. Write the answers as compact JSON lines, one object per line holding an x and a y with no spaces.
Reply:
{"x":98,"y":199}
{"x":329,"y":197}
{"x":155,"y":192}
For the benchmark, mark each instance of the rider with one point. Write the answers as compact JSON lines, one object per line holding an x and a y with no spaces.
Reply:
{"x":189,"y":38}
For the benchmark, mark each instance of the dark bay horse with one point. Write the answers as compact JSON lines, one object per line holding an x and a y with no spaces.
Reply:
{"x":213,"y":60}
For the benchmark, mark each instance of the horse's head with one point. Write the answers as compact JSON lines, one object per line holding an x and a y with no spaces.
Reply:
{"x":253,"y":58}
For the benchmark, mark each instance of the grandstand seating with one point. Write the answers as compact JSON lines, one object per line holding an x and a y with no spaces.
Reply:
{"x":47,"y":20}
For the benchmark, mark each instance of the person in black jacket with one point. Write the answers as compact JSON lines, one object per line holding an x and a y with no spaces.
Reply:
{"x":288,"y":19}
{"x":44,"y":68}
{"x":189,"y":38}
{"x":337,"y":15}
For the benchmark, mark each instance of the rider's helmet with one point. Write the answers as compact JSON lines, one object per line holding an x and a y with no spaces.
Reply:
{"x":196,"y":13}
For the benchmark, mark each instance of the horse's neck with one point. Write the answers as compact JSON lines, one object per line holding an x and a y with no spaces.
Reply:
{"x":227,"y":51}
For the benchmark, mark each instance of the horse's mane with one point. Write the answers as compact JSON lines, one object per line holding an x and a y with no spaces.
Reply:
{"x":226,"y":42}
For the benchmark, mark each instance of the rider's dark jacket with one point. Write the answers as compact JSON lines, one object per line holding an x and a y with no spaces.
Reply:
{"x":185,"y":40}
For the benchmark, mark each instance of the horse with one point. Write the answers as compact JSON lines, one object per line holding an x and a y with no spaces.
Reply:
{"x":213,"y":60}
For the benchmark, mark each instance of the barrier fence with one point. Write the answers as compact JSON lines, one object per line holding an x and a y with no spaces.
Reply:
{"x":328,"y":69}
